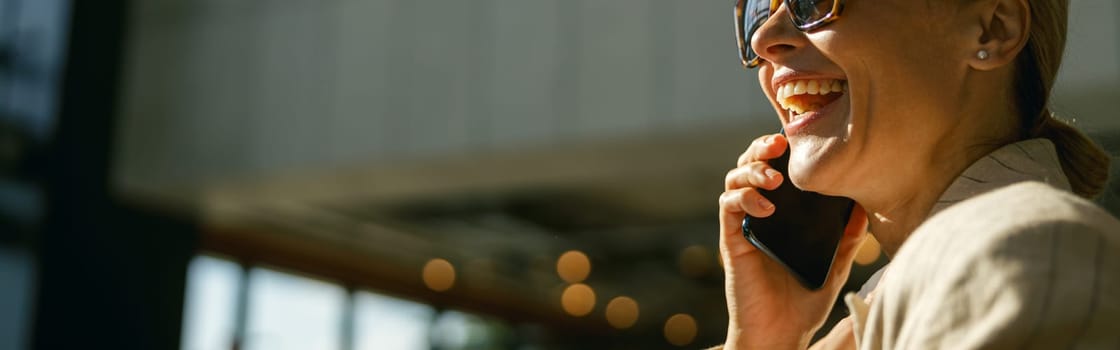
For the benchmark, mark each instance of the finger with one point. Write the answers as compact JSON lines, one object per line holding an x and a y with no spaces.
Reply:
{"x":857,"y":221}
{"x":731,"y":240}
{"x":763,"y":148}
{"x":854,"y":235}
{"x":754,"y":174}
{"x":746,"y":201}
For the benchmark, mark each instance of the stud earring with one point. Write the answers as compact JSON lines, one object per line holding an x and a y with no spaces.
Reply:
{"x":982,"y":54}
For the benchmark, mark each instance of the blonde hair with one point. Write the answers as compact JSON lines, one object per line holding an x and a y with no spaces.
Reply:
{"x":1083,"y":161}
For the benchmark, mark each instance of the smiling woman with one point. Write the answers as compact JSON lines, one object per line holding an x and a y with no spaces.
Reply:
{"x":933,"y":117}
{"x":803,"y":96}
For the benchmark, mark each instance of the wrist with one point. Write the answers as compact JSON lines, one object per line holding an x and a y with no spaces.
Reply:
{"x":736,"y":340}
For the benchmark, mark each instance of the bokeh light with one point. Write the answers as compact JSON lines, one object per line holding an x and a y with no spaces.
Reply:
{"x":622,"y":312}
{"x":680,"y":329}
{"x":438,"y":275}
{"x":573,"y":266}
{"x":869,"y":252}
{"x":695,"y":261}
{"x":578,"y":300}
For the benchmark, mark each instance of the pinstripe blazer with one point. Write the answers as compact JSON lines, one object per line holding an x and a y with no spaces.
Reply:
{"x":1010,"y":259}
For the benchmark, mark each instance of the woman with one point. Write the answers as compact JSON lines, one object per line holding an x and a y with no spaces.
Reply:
{"x":932,"y":116}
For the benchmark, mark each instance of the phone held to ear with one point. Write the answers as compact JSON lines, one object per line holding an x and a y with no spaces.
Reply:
{"x":805,"y":230}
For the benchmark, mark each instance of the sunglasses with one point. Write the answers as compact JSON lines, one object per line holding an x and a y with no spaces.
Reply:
{"x":806,"y":15}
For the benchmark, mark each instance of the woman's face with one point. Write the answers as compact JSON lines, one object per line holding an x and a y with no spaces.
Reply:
{"x":899,"y":67}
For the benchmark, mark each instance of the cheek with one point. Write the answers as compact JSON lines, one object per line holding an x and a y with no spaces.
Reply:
{"x":887,"y":36}
{"x":764,"y":73}
{"x":895,"y":72}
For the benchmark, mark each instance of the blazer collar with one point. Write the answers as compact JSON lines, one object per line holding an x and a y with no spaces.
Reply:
{"x":1028,"y":160}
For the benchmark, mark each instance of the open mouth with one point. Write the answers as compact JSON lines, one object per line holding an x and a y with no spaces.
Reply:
{"x":800,"y":97}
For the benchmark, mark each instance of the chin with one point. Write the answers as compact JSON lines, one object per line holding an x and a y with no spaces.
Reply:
{"x":814,"y":163}
{"x":818,"y":137}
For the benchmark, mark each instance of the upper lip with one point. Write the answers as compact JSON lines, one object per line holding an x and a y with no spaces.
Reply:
{"x":791,"y":75}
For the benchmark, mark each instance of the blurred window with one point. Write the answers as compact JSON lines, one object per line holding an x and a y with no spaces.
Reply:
{"x":33,"y":37}
{"x":292,"y":312}
{"x":210,"y":304}
{"x":17,"y":270}
{"x":383,"y":322}
{"x":285,"y":311}
{"x":466,"y":331}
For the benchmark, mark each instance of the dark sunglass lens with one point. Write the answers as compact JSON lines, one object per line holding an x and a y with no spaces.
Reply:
{"x":810,"y":11}
{"x":755,"y":14}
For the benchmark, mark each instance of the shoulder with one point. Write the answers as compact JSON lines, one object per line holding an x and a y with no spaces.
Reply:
{"x":1024,"y":216}
{"x":1022,"y":264}
{"x":1023,"y":229}
{"x":1028,"y":221}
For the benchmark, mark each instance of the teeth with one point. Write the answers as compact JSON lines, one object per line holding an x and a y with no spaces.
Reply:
{"x":803,"y":87}
{"x":799,"y":87}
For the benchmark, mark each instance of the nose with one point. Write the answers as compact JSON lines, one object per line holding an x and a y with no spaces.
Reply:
{"x":778,"y":37}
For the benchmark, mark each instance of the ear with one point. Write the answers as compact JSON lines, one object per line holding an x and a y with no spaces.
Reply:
{"x":1004,"y":29}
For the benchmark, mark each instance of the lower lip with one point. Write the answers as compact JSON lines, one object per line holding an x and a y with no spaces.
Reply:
{"x":809,"y":118}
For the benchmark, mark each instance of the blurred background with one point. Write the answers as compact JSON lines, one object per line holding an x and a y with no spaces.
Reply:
{"x":390,"y":174}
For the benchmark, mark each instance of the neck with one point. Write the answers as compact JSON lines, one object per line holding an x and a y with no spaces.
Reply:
{"x":892,"y":221}
{"x":898,"y":207}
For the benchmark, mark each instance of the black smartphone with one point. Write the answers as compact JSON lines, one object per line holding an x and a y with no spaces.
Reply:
{"x":805,"y":230}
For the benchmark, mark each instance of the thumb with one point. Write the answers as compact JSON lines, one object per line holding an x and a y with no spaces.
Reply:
{"x":854,"y":235}
{"x":732,"y":242}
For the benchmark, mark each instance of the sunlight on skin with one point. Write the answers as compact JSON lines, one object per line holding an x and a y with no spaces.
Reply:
{"x":882,"y":219}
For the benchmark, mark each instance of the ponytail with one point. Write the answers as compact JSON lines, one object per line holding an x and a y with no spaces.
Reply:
{"x":1083,"y":161}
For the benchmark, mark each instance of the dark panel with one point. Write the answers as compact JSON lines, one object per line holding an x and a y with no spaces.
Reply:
{"x":110,"y":276}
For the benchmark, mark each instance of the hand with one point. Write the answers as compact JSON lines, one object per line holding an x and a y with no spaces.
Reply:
{"x":768,"y":308}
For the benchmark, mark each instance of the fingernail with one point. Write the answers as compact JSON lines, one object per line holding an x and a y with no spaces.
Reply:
{"x":769,"y":139}
{"x":765,"y":204}
{"x":772,"y":174}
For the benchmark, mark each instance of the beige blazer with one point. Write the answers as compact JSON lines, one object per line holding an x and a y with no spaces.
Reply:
{"x":1010,"y":259}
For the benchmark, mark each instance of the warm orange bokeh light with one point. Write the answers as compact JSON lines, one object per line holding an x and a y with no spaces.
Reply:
{"x":680,"y":329}
{"x":622,"y":312}
{"x":578,"y":300}
{"x":573,"y":266}
{"x":695,"y":261}
{"x":869,"y":252}
{"x":439,"y":275}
